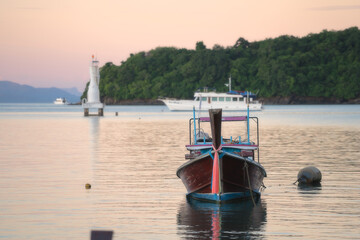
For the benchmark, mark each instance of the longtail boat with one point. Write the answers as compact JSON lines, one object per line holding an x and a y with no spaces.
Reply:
{"x":222,"y":169}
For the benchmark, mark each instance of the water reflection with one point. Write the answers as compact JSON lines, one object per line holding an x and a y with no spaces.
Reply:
{"x":94,"y":123}
{"x":94,"y":129}
{"x":314,"y":188}
{"x":201,"y":220}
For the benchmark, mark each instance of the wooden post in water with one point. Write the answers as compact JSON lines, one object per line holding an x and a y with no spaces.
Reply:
{"x":215,"y":123}
{"x":101,"y":235}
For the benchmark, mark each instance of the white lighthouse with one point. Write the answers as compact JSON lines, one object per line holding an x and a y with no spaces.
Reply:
{"x":93,"y":93}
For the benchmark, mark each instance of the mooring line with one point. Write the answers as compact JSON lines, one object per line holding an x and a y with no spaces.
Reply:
{"x":248,"y":177}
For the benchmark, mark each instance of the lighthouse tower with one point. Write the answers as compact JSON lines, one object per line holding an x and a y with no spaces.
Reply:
{"x":93,"y":94}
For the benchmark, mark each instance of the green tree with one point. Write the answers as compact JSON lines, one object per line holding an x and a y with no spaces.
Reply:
{"x":326,"y":64}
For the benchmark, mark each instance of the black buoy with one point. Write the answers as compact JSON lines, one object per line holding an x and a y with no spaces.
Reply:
{"x":309,"y":175}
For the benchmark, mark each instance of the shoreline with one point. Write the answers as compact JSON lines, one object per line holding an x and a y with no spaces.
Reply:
{"x":294,"y":100}
{"x":266,"y":101}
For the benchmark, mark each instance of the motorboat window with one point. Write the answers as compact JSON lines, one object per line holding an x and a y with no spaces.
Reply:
{"x":228,"y":99}
{"x":214,"y":99}
{"x":221,"y":99}
{"x":235,"y":99}
{"x":204,"y":98}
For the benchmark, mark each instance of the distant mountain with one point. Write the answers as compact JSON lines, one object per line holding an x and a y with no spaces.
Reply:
{"x":11,"y":92}
{"x":74,"y":91}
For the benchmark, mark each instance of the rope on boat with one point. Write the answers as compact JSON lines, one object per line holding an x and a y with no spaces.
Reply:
{"x":248,"y":177}
{"x":263,"y":186}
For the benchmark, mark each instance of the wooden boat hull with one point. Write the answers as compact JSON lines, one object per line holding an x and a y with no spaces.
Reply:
{"x":239,"y":176}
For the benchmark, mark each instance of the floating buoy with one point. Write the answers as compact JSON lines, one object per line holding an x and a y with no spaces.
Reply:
{"x":309,"y":175}
{"x":88,"y":186}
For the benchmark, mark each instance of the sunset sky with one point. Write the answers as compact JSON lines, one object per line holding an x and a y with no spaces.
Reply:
{"x":49,"y":43}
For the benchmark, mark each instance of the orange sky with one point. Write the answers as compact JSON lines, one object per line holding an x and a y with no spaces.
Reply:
{"x":49,"y":43}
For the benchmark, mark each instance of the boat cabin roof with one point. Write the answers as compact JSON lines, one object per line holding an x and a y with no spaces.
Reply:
{"x":224,"y":94}
{"x":215,"y":94}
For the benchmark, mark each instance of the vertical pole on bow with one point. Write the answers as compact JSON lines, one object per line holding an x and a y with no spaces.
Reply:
{"x":215,"y":123}
{"x":248,"y":120}
{"x":194,"y":126}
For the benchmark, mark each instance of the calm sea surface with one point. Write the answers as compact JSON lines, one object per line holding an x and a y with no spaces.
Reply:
{"x":48,"y":153}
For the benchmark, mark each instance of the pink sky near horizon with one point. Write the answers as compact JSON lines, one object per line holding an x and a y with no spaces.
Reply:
{"x":49,"y":43}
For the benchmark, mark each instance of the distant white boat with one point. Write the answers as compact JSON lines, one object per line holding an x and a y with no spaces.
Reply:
{"x":61,"y":101}
{"x":205,"y":100}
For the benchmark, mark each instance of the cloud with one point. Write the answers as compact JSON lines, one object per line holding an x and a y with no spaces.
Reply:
{"x":336,"y":8}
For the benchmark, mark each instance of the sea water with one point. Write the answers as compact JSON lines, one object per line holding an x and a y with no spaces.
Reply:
{"x":48,"y":153}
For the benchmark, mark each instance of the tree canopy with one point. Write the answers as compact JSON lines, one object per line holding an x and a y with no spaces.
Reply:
{"x":326,"y":64}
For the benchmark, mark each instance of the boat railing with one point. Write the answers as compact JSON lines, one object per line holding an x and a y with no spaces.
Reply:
{"x":238,"y":141}
{"x":203,"y":140}
{"x":224,"y":119}
{"x":205,"y":90}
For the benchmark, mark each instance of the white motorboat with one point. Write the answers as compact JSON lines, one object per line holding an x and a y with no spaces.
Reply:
{"x":61,"y":101}
{"x":205,"y":100}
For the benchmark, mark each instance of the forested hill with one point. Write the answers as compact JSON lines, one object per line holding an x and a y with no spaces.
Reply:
{"x":324,"y":65}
